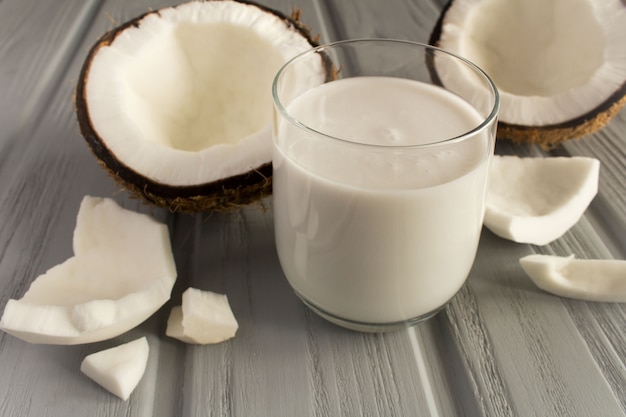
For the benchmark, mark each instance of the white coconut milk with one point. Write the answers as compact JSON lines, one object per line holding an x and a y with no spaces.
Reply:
{"x":369,"y":233}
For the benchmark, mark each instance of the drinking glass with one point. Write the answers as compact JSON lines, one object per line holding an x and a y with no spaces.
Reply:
{"x":381,"y":151}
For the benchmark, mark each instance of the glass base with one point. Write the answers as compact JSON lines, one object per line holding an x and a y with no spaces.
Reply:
{"x":368,"y":327}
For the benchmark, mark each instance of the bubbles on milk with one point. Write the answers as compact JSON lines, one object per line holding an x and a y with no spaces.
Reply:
{"x":412,"y":170}
{"x":388,"y":136}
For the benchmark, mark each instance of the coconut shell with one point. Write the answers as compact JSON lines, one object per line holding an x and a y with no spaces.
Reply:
{"x":221,"y":195}
{"x":549,"y":136}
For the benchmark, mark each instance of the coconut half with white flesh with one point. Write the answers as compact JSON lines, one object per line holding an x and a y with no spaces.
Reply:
{"x":176,"y":103}
{"x":559,"y":65}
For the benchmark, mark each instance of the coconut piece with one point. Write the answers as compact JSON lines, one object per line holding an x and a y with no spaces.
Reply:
{"x":121,"y":273}
{"x":118,"y":369}
{"x":557,"y":80}
{"x":196,"y":134}
{"x":584,"y":279}
{"x":204,"y":317}
{"x":537,"y":200}
{"x":175,"y":326}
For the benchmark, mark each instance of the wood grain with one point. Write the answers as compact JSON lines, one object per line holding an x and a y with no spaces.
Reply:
{"x":501,"y":348}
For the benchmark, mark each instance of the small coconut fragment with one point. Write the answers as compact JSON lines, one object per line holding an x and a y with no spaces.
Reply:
{"x":175,"y":325}
{"x":537,"y":200}
{"x":121,"y":273}
{"x":118,"y":369}
{"x":205,"y":317}
{"x":194,"y":135}
{"x":557,"y":79}
{"x":585,"y":279}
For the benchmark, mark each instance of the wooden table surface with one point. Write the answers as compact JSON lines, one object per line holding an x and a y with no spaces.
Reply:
{"x":501,"y":348}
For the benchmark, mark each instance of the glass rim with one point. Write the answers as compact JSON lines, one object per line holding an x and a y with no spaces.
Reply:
{"x":320,"y":48}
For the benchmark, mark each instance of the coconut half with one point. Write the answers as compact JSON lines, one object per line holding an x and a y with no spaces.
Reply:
{"x":559,"y":65}
{"x":176,"y":103}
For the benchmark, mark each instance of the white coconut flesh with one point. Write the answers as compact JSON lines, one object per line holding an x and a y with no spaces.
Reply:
{"x":121,"y":273}
{"x":537,"y":200}
{"x":118,"y":369}
{"x":204,"y":317}
{"x":552,"y":61}
{"x":602,"y":280}
{"x":183,"y":97}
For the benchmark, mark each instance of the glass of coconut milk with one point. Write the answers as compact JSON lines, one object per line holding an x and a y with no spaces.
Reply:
{"x":380,"y":152}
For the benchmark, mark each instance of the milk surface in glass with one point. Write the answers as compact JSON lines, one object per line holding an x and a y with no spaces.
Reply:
{"x":378,"y":234}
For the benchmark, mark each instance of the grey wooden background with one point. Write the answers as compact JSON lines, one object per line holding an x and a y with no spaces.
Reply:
{"x":501,"y":348}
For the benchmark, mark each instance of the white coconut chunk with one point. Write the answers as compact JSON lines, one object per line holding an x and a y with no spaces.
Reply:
{"x":585,"y":279}
{"x":118,"y":369}
{"x":122,"y":272}
{"x":537,"y":200}
{"x":205,"y":317}
{"x":175,"y":326}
